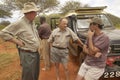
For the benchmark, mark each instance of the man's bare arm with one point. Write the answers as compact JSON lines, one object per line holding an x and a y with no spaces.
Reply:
{"x":80,"y":43}
{"x":92,"y":49}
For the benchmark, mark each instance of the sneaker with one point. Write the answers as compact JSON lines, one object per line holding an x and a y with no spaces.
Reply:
{"x":44,"y":69}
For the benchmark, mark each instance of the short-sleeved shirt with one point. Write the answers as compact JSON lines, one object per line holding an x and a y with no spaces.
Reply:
{"x":60,"y":38}
{"x":101,"y":42}
{"x":25,"y":31}
{"x":44,"y":31}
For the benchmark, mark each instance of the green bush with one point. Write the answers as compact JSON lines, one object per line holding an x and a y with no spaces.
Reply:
{"x":1,"y":27}
{"x":5,"y":23}
{"x":117,"y":26}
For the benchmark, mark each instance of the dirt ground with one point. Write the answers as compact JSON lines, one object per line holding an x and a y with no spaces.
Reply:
{"x":50,"y":75}
{"x":10,"y":68}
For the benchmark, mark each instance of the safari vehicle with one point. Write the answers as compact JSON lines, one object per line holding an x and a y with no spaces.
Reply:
{"x":79,"y":22}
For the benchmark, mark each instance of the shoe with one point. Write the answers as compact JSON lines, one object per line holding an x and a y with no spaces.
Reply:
{"x":44,"y":69}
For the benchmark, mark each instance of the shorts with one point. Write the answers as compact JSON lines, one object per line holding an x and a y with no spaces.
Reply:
{"x":90,"y":72}
{"x":59,"y":55}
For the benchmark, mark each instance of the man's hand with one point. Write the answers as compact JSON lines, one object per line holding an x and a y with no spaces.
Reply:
{"x":16,"y":41}
{"x":20,"y":43}
{"x":90,"y":33}
{"x":85,"y":49}
{"x":80,"y":43}
{"x":98,"y":54}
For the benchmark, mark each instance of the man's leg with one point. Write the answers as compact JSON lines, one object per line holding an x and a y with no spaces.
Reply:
{"x":30,"y":66}
{"x":47,"y":61}
{"x":40,"y":50}
{"x":47,"y":55}
{"x":57,"y":70}
{"x":37,"y":70}
{"x":79,"y":77}
{"x":94,"y":73}
{"x":66,"y":71}
{"x":82,"y":72}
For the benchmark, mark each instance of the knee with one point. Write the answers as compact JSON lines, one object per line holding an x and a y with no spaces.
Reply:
{"x":79,"y":77}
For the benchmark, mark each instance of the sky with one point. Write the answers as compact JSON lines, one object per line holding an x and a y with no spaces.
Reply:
{"x":113,"y":6}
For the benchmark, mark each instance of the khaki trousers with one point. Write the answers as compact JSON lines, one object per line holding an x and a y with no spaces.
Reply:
{"x":45,"y":52}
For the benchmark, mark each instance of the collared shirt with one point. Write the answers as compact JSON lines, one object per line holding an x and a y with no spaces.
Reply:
{"x":25,"y":31}
{"x":44,"y":31}
{"x":61,"y":38}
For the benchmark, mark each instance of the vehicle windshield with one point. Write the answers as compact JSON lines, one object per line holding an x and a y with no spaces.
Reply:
{"x":83,"y":21}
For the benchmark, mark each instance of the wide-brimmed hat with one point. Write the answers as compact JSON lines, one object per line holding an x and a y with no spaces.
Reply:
{"x":29,"y":6}
{"x":97,"y":20}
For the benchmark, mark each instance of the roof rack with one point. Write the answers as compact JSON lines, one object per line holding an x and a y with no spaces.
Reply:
{"x":90,"y":9}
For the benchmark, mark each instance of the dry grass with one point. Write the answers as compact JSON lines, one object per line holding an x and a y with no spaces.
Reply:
{"x":9,"y":61}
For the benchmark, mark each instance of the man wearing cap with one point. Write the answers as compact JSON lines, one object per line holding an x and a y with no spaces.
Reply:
{"x":96,"y":49}
{"x":24,"y":33}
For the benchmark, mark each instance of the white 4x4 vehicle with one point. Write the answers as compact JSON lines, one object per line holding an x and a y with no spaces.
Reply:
{"x":79,"y":23}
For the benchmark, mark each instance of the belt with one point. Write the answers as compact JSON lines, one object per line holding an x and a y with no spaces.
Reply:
{"x":59,"y":47}
{"x":27,"y":51}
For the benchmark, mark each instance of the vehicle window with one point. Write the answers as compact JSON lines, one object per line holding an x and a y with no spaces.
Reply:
{"x":106,"y":22}
{"x":83,"y":23}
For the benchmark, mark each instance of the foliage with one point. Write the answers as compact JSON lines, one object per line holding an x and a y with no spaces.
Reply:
{"x":118,"y":26}
{"x":5,"y":23}
{"x":54,"y":15}
{"x":48,"y":18}
{"x":53,"y":22}
{"x":5,"y":9}
{"x":44,"y":5}
{"x":115,"y":20}
{"x":4,"y":13}
{"x":71,"y":5}
{"x":1,"y":27}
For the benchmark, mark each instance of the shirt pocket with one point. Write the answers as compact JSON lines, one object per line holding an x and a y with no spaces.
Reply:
{"x":68,"y":37}
{"x":57,"y":38}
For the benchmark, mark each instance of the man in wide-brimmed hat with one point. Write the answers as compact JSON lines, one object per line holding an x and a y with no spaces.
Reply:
{"x":23,"y":33}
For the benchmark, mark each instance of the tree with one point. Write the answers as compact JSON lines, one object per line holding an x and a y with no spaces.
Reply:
{"x":44,"y":5}
{"x":115,"y":20}
{"x":4,"y":11}
{"x":71,"y":5}
{"x":5,"y":23}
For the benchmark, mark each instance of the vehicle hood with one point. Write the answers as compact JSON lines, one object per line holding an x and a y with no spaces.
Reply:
{"x":113,"y":34}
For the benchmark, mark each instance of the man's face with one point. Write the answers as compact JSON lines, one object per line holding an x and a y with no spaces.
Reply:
{"x":63,"y":23}
{"x":92,"y":26}
{"x":31,"y":15}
